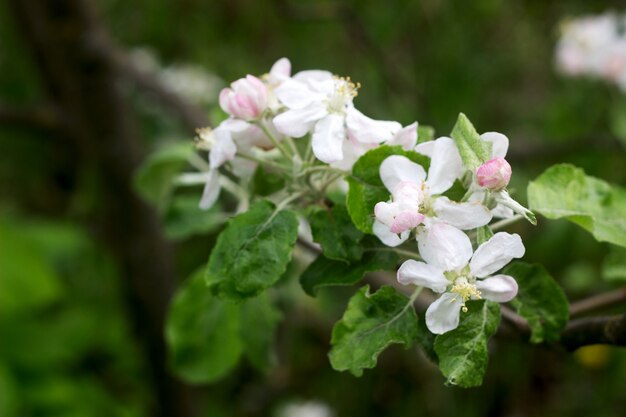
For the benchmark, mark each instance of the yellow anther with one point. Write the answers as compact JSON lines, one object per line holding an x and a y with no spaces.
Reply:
{"x":466,"y":291}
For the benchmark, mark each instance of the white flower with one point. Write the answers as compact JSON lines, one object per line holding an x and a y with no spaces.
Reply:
{"x":320,"y":103}
{"x":451,"y":268}
{"x":417,"y":198}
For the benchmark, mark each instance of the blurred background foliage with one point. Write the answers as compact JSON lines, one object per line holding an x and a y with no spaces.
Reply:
{"x":66,"y":345}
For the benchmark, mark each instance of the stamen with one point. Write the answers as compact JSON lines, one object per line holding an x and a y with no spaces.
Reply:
{"x":466,"y":291}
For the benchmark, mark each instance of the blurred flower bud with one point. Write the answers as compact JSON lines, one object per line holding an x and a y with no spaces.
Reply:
{"x":494,"y":174}
{"x":246,"y":99}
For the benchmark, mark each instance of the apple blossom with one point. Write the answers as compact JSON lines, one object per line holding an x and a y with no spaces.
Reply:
{"x":246,"y":99}
{"x":451,"y":268}
{"x":494,"y":174}
{"x":416,"y":197}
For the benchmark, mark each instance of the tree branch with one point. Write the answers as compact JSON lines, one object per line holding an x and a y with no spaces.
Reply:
{"x":609,"y":330}
{"x":42,"y":117}
{"x":598,"y":302}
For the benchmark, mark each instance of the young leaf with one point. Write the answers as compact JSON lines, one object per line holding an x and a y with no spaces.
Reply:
{"x":425,"y":133}
{"x":334,"y":231}
{"x":202,"y":332}
{"x":154,"y":178}
{"x":370,"y":324}
{"x":252,"y":252}
{"x":324,"y":272}
{"x":366,"y":187}
{"x":462,"y":352}
{"x":259,"y":318}
{"x":474,"y":151}
{"x":539,"y":300}
{"x":564,"y":191}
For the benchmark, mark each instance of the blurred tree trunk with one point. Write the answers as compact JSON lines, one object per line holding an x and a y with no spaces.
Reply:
{"x":70,"y":49}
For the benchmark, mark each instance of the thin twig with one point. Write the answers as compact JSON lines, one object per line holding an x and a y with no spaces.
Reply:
{"x":598,"y":302}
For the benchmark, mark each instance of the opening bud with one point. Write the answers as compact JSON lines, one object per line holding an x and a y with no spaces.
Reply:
{"x":494,"y":174}
{"x":245,"y":99}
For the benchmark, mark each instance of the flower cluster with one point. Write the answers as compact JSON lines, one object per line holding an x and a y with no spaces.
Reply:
{"x":594,"y":46}
{"x":268,"y":112}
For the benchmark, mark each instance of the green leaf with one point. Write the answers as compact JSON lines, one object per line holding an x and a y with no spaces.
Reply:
{"x":184,"y":218}
{"x":539,"y":300}
{"x":366,"y":187}
{"x":334,"y":230}
{"x":474,"y":151}
{"x":483,"y":234}
{"x":202,"y":332}
{"x":266,"y":182}
{"x":618,"y":119}
{"x":462,"y":352}
{"x":614,"y":265}
{"x":370,"y":324}
{"x":252,"y":252}
{"x":425,"y":133}
{"x":426,"y":340}
{"x":564,"y":191}
{"x":154,"y":180}
{"x":259,"y":318}
{"x":324,"y":272}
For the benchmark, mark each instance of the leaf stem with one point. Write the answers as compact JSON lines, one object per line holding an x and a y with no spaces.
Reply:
{"x":506,"y":222}
{"x":274,"y":141}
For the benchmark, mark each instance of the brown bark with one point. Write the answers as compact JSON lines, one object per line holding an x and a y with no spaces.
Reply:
{"x":66,"y":40}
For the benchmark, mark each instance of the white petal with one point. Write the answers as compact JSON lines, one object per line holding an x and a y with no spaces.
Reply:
{"x":297,"y":123}
{"x":499,"y":143}
{"x":328,"y":137}
{"x":445,"y":166}
{"x":294,"y":94}
{"x":234,"y":125}
{"x":444,"y":246}
{"x":211,"y":190}
{"x":423,"y":275}
{"x":426,"y":148}
{"x":352,"y":151}
{"x":397,"y":168}
{"x":366,"y":130}
{"x":223,"y":150}
{"x":385,"y":212}
{"x":443,"y":315}
{"x":501,"y":211}
{"x":463,"y":216}
{"x":495,"y":253}
{"x":383,"y":233}
{"x":317,"y":75}
{"x":499,"y":288}
{"x":405,"y":137}
{"x":281,"y":69}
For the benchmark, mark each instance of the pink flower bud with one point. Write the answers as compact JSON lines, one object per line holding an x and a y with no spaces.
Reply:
{"x":405,"y":220}
{"x":494,"y":174}
{"x":246,"y":99}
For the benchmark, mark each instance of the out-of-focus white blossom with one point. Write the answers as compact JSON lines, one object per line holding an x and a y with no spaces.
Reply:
{"x":306,"y":409}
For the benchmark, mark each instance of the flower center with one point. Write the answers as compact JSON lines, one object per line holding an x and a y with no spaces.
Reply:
{"x":345,"y":91}
{"x":464,"y":289}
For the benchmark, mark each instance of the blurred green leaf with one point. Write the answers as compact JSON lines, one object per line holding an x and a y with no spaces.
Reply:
{"x":324,"y":272}
{"x":259,"y":319}
{"x":618,"y":119}
{"x":202,"y":332}
{"x":154,"y":180}
{"x":370,"y":324}
{"x":252,"y":252}
{"x":426,"y":340}
{"x":540,"y":300}
{"x":184,"y":218}
{"x":462,"y":352}
{"x":334,"y":231}
{"x":366,"y":187}
{"x":425,"y":133}
{"x":564,"y":191}
{"x":265,"y":182}
{"x":614,"y":265}
{"x":473,"y":150}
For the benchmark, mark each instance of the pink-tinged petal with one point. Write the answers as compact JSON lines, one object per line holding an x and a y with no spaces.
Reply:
{"x":367,"y":130}
{"x":405,"y":220}
{"x":297,"y":123}
{"x":444,"y":246}
{"x":211,"y":190}
{"x":385,"y":212}
{"x":464,"y":216}
{"x":328,"y":137}
{"x":396,"y":168}
{"x":443,"y":315}
{"x":224,"y":99}
{"x":494,"y":174}
{"x":281,"y":69}
{"x":223,"y":150}
{"x":499,"y":288}
{"x":445,"y":166}
{"x":423,"y":275}
{"x":499,"y":143}
{"x":383,"y":233}
{"x":495,"y":253}
{"x":405,"y":137}
{"x":294,"y":94}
